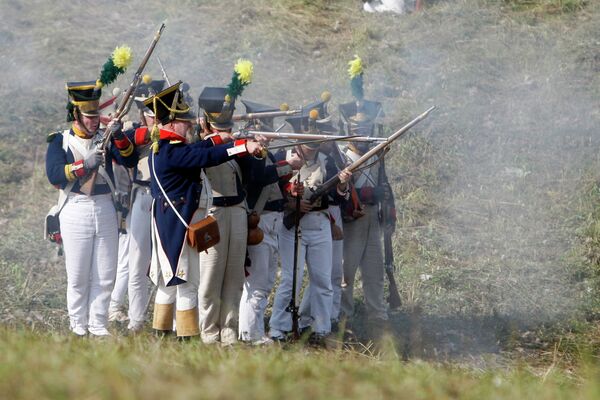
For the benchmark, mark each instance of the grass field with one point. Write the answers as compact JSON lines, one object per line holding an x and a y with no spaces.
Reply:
{"x":56,"y":367}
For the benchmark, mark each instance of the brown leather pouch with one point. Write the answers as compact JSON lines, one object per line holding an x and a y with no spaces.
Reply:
{"x":255,"y":234}
{"x":203,"y":234}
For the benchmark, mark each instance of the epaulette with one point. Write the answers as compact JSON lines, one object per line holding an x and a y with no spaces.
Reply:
{"x":51,"y":136}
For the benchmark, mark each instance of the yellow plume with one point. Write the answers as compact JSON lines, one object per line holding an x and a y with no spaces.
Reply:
{"x":313,"y":114}
{"x":326,"y":96}
{"x":122,"y":56}
{"x":355,"y":67}
{"x":284,"y":107}
{"x":245,"y":70}
{"x":147,"y":79}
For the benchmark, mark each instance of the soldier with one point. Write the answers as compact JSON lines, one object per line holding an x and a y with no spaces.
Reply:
{"x":222,"y":267}
{"x":362,"y":227}
{"x":88,"y":223}
{"x":116,"y":309}
{"x":176,"y":188}
{"x":335,"y":161}
{"x":265,"y":198}
{"x":140,"y":249}
{"x":316,"y":239}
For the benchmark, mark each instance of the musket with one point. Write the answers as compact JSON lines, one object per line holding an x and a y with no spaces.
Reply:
{"x":388,"y":222}
{"x":292,"y":307}
{"x":266,"y":114}
{"x":244,"y":133}
{"x":164,"y":72}
{"x":289,"y":220}
{"x":87,"y":186}
{"x":281,"y":146}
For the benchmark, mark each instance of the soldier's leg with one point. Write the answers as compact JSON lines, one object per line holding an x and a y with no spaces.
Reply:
{"x":164,"y":306}
{"x":337,"y":266}
{"x":281,"y":320}
{"x":371,"y":267}
{"x":304,"y":310}
{"x":104,"y":263}
{"x":318,"y":260}
{"x":117,"y":297}
{"x":212,"y":272}
{"x":78,"y":230}
{"x":258,"y":283}
{"x":187,"y":298}
{"x":140,"y":253}
{"x":354,"y":246}
{"x":233,"y":279}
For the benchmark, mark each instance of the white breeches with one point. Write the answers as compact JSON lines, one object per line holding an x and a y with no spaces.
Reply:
{"x":90,"y":238}
{"x":362,"y":247}
{"x":261,"y":278}
{"x":337,"y":273}
{"x":222,"y":277}
{"x":117,"y":297}
{"x":140,"y":254}
{"x":315,"y":250}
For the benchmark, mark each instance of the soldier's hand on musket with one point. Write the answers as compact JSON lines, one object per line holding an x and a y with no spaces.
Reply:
{"x":305,"y":206}
{"x":115,"y":128}
{"x":93,"y":160}
{"x":262,"y":139}
{"x":254,"y":148}
{"x":295,"y":161}
{"x":297,"y":189}
{"x":345,"y":175}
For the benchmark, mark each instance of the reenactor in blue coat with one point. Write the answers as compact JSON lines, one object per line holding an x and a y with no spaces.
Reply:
{"x":88,"y":223}
{"x":176,"y":165}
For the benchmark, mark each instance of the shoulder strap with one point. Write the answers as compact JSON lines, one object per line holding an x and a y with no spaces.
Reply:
{"x":165,"y":194}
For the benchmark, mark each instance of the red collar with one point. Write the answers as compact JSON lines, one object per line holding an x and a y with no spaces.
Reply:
{"x":170,"y":135}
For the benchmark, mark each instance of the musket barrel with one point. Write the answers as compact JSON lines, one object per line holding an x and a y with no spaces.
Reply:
{"x":306,"y":136}
{"x":267,"y":114}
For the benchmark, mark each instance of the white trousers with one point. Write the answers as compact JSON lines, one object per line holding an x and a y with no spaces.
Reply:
{"x":362,"y":247}
{"x":185,"y":295}
{"x":117,"y":297}
{"x":315,"y":250}
{"x":90,"y":238}
{"x":337,"y":274}
{"x":140,"y":254}
{"x":261,"y":278}
{"x":222,"y":277}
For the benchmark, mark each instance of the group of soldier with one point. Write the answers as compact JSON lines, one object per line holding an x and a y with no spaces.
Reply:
{"x":179,"y":168}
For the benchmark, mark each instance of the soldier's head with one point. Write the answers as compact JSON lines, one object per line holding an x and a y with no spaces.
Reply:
{"x":83,"y":106}
{"x":169,"y":109}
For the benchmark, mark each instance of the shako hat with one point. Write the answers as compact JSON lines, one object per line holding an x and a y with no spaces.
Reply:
{"x":301,"y":123}
{"x":84,"y":96}
{"x":218,"y":103}
{"x":169,"y":105}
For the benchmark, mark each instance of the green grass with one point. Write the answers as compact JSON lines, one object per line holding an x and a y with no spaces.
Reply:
{"x":57,"y":367}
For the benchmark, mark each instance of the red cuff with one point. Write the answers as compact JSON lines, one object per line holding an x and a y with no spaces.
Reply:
{"x":122,"y":144}
{"x":141,"y":136}
{"x":77,"y":168}
{"x":239,"y":148}
{"x":288,"y":187}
